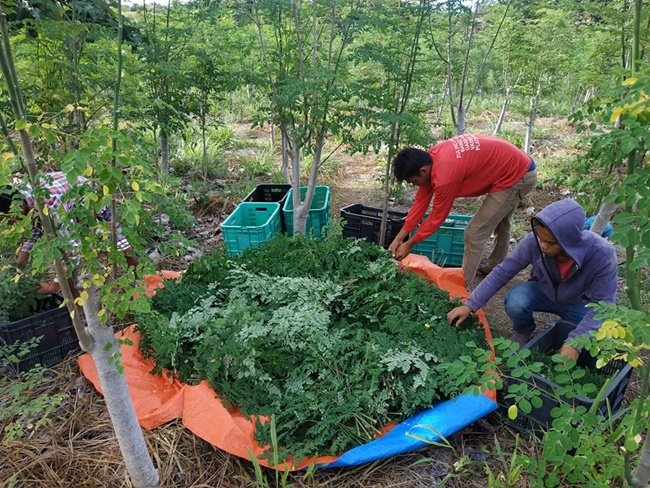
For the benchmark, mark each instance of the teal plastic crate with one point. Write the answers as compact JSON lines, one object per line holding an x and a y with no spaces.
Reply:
{"x":270,"y":192}
{"x":447,"y":246}
{"x":319,"y":212}
{"x":250,"y":226}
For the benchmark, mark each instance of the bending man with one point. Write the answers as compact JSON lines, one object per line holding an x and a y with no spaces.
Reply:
{"x":465,"y":166}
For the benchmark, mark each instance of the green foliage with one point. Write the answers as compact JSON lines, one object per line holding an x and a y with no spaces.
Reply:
{"x":510,"y":475}
{"x":626,"y":145}
{"x":22,"y":409}
{"x":553,"y":366}
{"x":335,"y":345}
{"x":582,"y":447}
{"x":19,"y":297}
{"x":166,"y":218}
{"x":219,"y":139}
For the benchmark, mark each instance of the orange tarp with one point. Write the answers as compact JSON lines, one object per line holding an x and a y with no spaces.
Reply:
{"x":159,"y":399}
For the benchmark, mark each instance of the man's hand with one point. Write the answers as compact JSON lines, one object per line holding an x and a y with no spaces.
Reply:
{"x":47,"y":287}
{"x":401,"y":236}
{"x":403,"y":250}
{"x":458,"y":315}
{"x":393,"y":246}
{"x":569,"y":352}
{"x":22,"y":259}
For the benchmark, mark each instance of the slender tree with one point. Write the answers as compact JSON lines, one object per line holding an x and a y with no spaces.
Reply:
{"x":457,"y":13}
{"x":94,"y":337}
{"x":303,"y":49}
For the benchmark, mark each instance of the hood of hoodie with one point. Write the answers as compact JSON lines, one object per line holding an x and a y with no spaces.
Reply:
{"x":566,"y":221}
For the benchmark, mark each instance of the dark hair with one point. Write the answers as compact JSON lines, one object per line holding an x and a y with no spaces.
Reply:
{"x":536,"y":224}
{"x":7,"y":195}
{"x":408,"y":162}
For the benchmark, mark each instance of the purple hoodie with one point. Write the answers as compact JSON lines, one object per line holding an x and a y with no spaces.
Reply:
{"x":593,"y":276}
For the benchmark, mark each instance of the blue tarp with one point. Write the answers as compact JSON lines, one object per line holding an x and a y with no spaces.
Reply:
{"x":446,"y":418}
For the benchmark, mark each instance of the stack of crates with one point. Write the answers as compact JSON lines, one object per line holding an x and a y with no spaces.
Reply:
{"x":250,"y":226}
{"x":447,"y":246}
{"x":319,"y":212}
{"x":365,"y":223}
{"x":270,"y":193}
{"x":54,"y":330}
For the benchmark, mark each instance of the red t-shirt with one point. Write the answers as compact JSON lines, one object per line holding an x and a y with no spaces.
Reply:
{"x":565,"y":268}
{"x":464,"y":166}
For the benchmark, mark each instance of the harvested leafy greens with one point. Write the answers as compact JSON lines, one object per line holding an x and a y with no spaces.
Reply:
{"x":330,"y":337}
{"x":548,"y":369}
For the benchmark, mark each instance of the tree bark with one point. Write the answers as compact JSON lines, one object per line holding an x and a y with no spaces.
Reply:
{"x":460,"y":122}
{"x":300,"y":209}
{"x":129,"y":435}
{"x":604,"y":216}
{"x":534,"y":105}
{"x":504,"y":110}
{"x":285,"y":158}
{"x":506,"y":102}
{"x":164,"y":152}
{"x":642,"y":473}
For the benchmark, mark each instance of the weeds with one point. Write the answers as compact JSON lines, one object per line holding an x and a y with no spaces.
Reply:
{"x":22,"y":410}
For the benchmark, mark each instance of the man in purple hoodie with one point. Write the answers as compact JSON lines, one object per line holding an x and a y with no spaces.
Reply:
{"x":571,"y":267}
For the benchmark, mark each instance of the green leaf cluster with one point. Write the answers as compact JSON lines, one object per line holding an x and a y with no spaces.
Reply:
{"x":330,"y":337}
{"x":554,"y":369}
{"x":19,"y":297}
{"x":25,"y":405}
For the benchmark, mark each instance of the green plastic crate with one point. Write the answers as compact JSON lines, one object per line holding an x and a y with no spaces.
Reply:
{"x":319,"y":212}
{"x":447,"y":246}
{"x":270,"y":192}
{"x":250,"y":225}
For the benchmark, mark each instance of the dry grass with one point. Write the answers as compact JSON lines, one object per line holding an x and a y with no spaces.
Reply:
{"x":78,"y":448}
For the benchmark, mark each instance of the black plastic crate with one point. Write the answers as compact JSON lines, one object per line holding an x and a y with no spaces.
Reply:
{"x":56,"y":332}
{"x":540,"y":419}
{"x":270,"y":193}
{"x":365,"y":223}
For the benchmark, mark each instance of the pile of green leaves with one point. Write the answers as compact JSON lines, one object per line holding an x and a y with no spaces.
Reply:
{"x":331,"y":338}
{"x":19,"y":297}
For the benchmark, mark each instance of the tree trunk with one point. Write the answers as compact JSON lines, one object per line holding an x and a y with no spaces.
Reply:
{"x":460,"y":122}
{"x":285,"y":158}
{"x":443,"y":98}
{"x":642,"y":473}
{"x":77,"y":117}
{"x":164,"y":152}
{"x":300,"y":209}
{"x":534,"y":105}
{"x":204,"y":145}
{"x":504,"y":110}
{"x":506,"y":102}
{"x":604,"y":216}
{"x":576,"y":99}
{"x":129,"y":435}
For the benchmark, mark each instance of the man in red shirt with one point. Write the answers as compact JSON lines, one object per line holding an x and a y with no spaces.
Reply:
{"x":465,"y":166}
